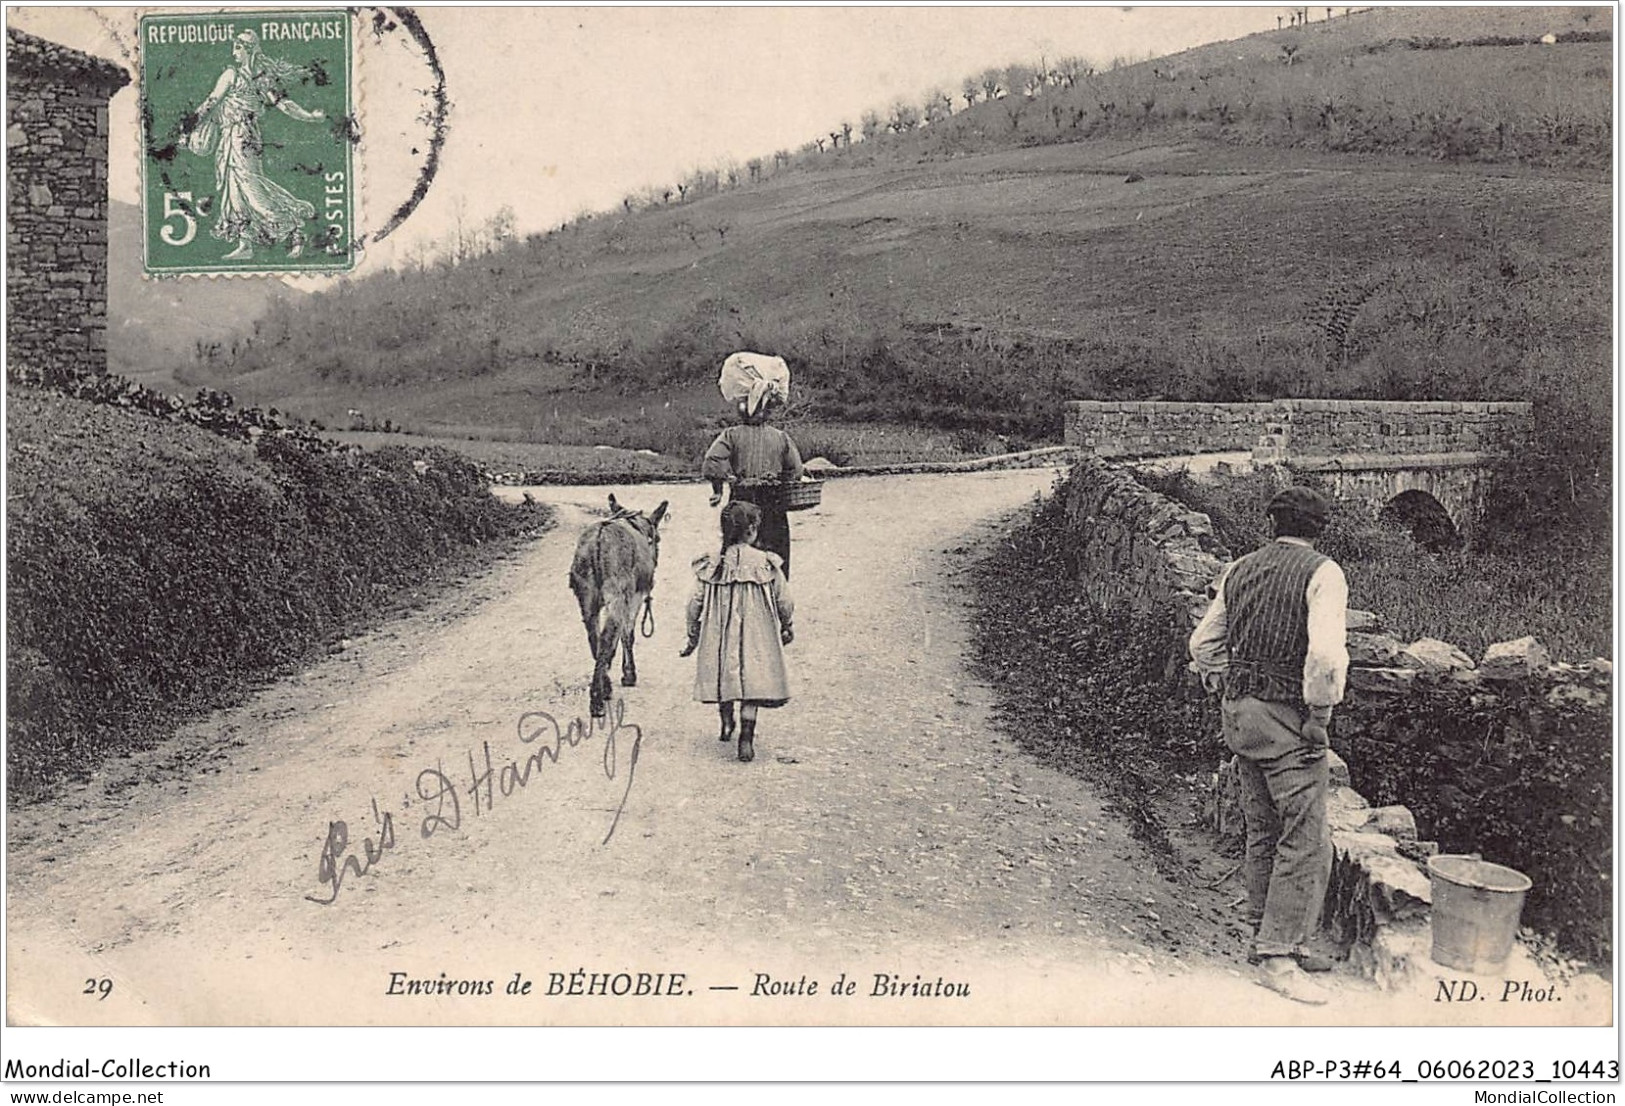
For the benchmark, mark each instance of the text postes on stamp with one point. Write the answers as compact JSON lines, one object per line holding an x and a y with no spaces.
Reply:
{"x":248,"y":142}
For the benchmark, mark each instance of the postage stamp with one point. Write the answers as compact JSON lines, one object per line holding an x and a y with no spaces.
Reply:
{"x":249,"y":132}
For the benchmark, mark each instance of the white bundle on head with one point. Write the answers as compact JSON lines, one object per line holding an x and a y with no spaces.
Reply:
{"x":753,"y":379}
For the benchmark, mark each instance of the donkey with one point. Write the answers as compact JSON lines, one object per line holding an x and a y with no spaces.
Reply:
{"x":612,"y":575}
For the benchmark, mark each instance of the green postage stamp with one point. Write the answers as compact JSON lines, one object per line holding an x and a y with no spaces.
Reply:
{"x":248,"y":139}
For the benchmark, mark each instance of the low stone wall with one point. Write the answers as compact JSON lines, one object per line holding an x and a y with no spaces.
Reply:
{"x":1337,"y":426}
{"x":1154,"y":429}
{"x":1136,"y":547}
{"x":1045,"y":457}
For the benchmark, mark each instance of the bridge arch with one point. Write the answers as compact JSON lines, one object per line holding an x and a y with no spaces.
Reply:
{"x":1427,"y":520}
{"x":1368,"y":450}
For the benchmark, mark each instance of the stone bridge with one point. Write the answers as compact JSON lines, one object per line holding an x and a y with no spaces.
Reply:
{"x":1422,"y":460}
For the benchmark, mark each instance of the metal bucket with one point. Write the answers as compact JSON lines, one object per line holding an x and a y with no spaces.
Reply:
{"x":1476,"y":906}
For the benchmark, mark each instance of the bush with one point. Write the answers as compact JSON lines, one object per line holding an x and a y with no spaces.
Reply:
{"x":1522,"y":779}
{"x":1099,"y":694}
{"x":141,"y":603}
{"x":1557,"y":590}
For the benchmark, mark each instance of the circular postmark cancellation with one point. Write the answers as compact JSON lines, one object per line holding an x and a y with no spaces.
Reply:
{"x":251,"y":139}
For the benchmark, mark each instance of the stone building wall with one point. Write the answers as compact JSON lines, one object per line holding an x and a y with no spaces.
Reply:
{"x":56,"y":211}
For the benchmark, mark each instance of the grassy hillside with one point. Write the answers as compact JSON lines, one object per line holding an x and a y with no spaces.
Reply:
{"x":1417,"y":205}
{"x":155,"y":326}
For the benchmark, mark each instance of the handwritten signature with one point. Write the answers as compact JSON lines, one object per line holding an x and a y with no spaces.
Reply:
{"x":540,"y":731}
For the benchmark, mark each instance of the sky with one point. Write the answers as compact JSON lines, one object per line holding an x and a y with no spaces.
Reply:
{"x":560,"y":110}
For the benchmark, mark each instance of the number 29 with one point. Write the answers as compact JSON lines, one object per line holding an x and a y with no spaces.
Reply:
{"x":101,"y":988}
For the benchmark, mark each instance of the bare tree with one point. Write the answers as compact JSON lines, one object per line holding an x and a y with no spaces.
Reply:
{"x":754,"y":168}
{"x":872,"y":125}
{"x":462,"y":237}
{"x":969,"y":91}
{"x":904,"y":118}
{"x":1069,"y":71}
{"x":501,"y":227}
{"x":1289,"y":49}
{"x":846,"y":133}
{"x":818,"y":143}
{"x":992,"y":82}
{"x":1018,"y":78}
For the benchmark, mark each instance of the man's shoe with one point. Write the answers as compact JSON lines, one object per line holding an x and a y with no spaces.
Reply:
{"x":1282,"y":975}
{"x":1313,"y":961}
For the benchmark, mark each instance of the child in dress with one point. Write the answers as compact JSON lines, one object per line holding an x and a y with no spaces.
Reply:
{"x":739,"y":621}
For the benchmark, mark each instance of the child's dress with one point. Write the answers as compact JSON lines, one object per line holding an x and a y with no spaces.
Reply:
{"x":737,"y":615}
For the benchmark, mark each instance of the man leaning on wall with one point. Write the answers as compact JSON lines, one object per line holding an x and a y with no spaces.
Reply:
{"x":1274,"y":642}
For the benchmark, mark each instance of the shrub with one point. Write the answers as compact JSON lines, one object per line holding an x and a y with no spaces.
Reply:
{"x":1523,"y":779}
{"x":139,"y":603}
{"x":1099,"y":694}
{"x":1558,"y":592}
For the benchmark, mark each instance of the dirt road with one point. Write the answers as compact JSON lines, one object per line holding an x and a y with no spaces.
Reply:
{"x":888,"y":833}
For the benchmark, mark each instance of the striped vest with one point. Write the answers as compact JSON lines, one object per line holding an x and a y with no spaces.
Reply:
{"x":1268,"y":616}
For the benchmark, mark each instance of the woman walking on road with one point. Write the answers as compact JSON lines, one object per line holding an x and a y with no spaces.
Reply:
{"x":757,"y":460}
{"x":739,"y":621}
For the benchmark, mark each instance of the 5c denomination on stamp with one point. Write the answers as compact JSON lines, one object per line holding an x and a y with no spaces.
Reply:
{"x":249,"y":132}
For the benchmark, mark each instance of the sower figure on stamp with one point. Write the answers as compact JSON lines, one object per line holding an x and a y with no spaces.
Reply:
{"x":250,"y":208}
{"x":1274,"y":640}
{"x":739,"y":621}
{"x":752,"y":456}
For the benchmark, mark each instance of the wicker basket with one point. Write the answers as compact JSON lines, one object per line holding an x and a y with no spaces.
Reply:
{"x":803,"y":495}
{"x":799,"y":495}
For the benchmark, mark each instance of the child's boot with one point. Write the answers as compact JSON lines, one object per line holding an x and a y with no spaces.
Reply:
{"x":726,"y":711}
{"x":747,"y":739}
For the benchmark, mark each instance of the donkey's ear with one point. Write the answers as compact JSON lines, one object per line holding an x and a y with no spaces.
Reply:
{"x":614,"y":507}
{"x":660,"y":511}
